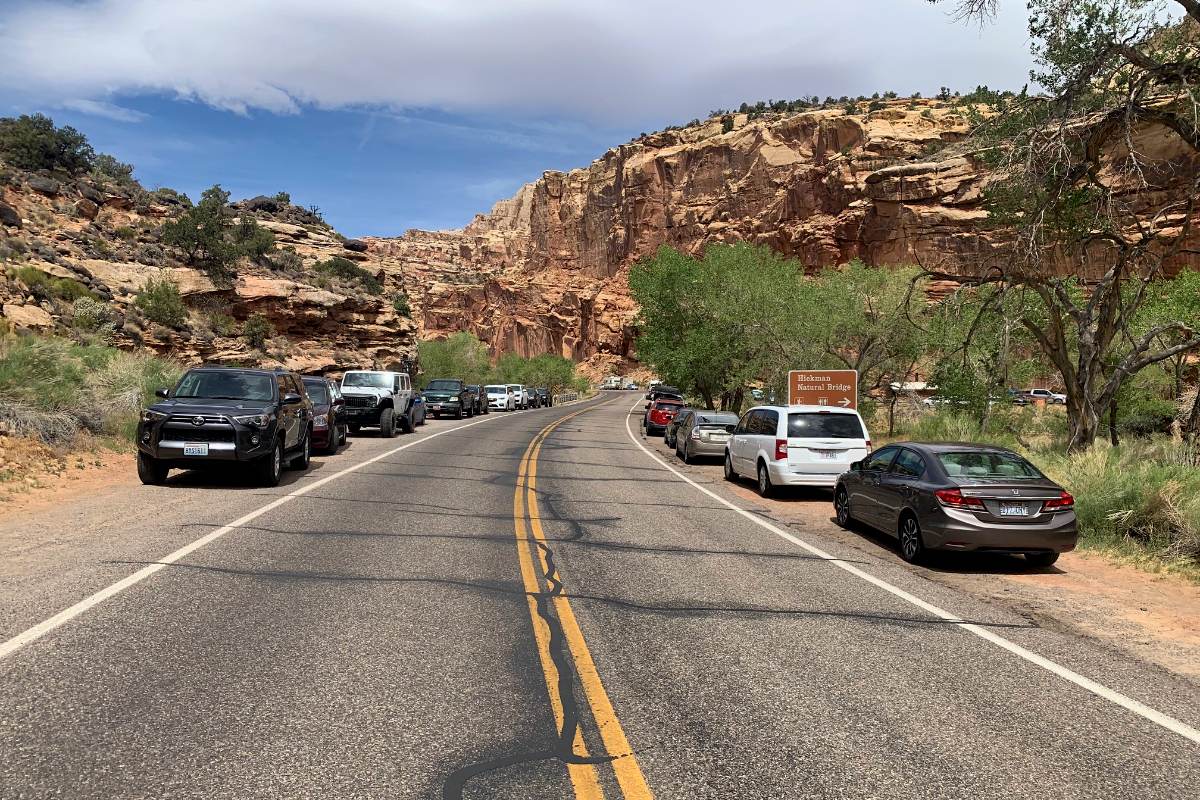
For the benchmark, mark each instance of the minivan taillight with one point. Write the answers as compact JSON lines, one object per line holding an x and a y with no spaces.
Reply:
{"x":1064,"y":502}
{"x":868,"y":445}
{"x":780,"y":449}
{"x":953,"y":498}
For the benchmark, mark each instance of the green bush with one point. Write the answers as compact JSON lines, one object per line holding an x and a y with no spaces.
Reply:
{"x":108,"y":168}
{"x":401,"y":304}
{"x":33,"y":142}
{"x":48,"y":287}
{"x":90,"y":315}
{"x":338,"y":267}
{"x":125,"y":232}
{"x":287,"y":260}
{"x":253,"y":239}
{"x":161,"y":302}
{"x":257,"y":329}
{"x":201,"y":233}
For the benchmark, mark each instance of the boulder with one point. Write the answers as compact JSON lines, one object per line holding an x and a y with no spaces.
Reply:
{"x":261,"y":203}
{"x":118,"y":202}
{"x":356,"y":245}
{"x":27,"y":316}
{"x":9,"y":215}
{"x":89,"y":192}
{"x":43,"y":185}
{"x":86,"y":208}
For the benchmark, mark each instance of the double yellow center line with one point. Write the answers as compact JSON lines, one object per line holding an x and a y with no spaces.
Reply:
{"x":531,"y":540}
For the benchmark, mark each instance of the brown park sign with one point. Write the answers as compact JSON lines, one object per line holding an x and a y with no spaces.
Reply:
{"x":830,"y":387}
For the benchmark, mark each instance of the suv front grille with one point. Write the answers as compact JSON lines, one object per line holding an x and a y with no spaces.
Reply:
{"x":360,"y":401}
{"x":187,"y":419}
{"x":194,"y":434}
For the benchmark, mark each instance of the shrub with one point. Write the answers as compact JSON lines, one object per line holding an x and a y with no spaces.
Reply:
{"x":876,"y":105}
{"x":401,"y":305}
{"x":107,"y":167}
{"x":125,"y":232}
{"x":257,"y":329}
{"x":344,"y":268}
{"x":283,"y":198}
{"x":33,"y":142}
{"x":253,"y":239}
{"x":90,"y":315}
{"x":287,"y":260}
{"x":201,"y":232}
{"x":48,"y":287}
{"x":161,"y":302}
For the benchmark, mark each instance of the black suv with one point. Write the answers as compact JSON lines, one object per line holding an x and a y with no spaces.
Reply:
{"x":544,"y":400}
{"x":448,"y":396}
{"x":480,"y":398}
{"x":218,"y":415}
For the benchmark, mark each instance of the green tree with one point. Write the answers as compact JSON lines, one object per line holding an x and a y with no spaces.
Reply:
{"x":460,"y":355}
{"x":161,"y":302}
{"x":31,"y":141}
{"x":202,"y":234}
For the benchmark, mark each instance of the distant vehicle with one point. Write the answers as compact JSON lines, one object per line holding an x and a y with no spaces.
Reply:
{"x":500,"y":398}
{"x":659,"y":413}
{"x":544,"y":399}
{"x":329,"y":420}
{"x":479,"y":398}
{"x":757,"y":394}
{"x":1017,"y":397}
{"x":448,"y":397}
{"x":703,"y":433}
{"x":795,"y":445}
{"x":632,"y":385}
{"x":611,"y":382}
{"x":664,"y":391}
{"x":520,"y":395}
{"x":378,"y":399}
{"x":1051,"y":398}
{"x":952,"y":496}
{"x":219,"y":416}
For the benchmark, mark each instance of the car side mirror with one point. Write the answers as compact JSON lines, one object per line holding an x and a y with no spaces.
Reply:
{"x":291,"y":399}
{"x":163,"y":393}
{"x":856,"y":466}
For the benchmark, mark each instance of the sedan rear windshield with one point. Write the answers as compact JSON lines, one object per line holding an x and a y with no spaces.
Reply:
{"x":227,"y":386}
{"x":378,"y":380}
{"x":819,"y":425}
{"x":975,"y":464}
{"x":443,"y":386}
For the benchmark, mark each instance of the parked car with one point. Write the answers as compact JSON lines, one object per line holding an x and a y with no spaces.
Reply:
{"x":520,"y":396}
{"x":544,"y":399}
{"x":329,"y":418}
{"x":659,"y":413}
{"x":479,"y":398}
{"x":448,"y":397}
{"x":218,"y":416}
{"x":379,"y":399}
{"x":1051,"y":398}
{"x":500,"y":397}
{"x":757,"y":394}
{"x":795,"y":445}
{"x":669,"y":392}
{"x":952,"y":496}
{"x":631,"y":386}
{"x":1017,"y":397}
{"x":673,"y":425}
{"x":703,"y":433}
{"x":418,"y":411}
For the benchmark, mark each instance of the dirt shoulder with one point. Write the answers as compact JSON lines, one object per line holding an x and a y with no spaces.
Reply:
{"x":34,"y":478}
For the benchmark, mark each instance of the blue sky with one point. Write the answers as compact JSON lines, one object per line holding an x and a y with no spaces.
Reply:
{"x":421,"y":113}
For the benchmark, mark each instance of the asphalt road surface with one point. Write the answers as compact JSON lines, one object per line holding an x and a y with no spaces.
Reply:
{"x":531,"y":605}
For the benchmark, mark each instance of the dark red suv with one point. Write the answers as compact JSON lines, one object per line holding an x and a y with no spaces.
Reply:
{"x":659,"y":413}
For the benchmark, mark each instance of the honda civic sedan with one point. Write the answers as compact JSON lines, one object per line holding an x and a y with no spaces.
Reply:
{"x":964,"y":497}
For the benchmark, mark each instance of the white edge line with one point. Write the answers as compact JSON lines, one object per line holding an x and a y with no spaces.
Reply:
{"x":1141,"y":709}
{"x":66,"y":615}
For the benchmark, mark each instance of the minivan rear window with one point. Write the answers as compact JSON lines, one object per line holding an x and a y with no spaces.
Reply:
{"x":813,"y":424}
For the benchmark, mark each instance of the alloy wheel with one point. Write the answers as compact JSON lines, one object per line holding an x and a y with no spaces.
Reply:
{"x":910,"y":539}
{"x":841,"y":505}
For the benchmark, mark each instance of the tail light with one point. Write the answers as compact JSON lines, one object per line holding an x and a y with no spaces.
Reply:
{"x":1064,"y":502}
{"x":953,"y":498}
{"x":695,"y":434}
{"x":868,"y":445}
{"x":780,"y":449}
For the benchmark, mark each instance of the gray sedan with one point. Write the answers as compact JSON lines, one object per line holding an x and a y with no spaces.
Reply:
{"x":703,"y":433}
{"x":952,"y":496}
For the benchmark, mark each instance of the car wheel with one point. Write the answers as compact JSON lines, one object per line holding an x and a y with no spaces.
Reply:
{"x":408,"y":421}
{"x":684,"y":455}
{"x":841,"y":507}
{"x":764,"y":480}
{"x":730,"y":474}
{"x":151,"y":471}
{"x":332,"y":446}
{"x":270,"y":468}
{"x":1041,"y":559}
{"x":387,"y":423}
{"x":301,"y":461}
{"x":912,"y":546}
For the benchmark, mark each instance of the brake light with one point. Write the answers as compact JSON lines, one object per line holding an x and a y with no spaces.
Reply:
{"x":1063,"y":502}
{"x":695,"y":434}
{"x":780,"y":449}
{"x":953,"y":498}
{"x":868,"y":445}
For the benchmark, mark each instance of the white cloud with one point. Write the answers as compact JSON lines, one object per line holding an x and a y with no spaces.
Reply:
{"x":610,"y":60}
{"x":99,"y":108}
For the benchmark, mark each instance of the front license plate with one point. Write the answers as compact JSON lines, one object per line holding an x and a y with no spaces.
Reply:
{"x":1013,"y":510}
{"x":827,"y":455}
{"x":198,"y":449}
{"x":436,"y":406}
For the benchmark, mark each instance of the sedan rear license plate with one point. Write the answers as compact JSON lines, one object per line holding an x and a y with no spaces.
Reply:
{"x":827,"y":455}
{"x":197,"y":449}
{"x":1013,"y":510}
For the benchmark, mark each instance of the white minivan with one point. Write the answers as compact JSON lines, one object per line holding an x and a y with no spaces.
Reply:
{"x":796,"y":445}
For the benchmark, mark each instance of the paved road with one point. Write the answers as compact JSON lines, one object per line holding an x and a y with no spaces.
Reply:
{"x":532,"y":606}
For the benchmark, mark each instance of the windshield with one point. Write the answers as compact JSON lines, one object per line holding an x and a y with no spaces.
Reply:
{"x":227,"y":386}
{"x":317,"y":392}
{"x":824,"y":426}
{"x":987,"y":465}
{"x":497,"y":390}
{"x":442,"y":386}
{"x":377,"y":380}
{"x":516,"y":387}
{"x":716,"y":419}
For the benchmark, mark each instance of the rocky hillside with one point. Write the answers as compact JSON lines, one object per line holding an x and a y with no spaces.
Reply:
{"x":76,"y":252}
{"x":546,"y":270}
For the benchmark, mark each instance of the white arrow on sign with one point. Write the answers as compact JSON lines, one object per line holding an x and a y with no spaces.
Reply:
{"x":844,"y":402}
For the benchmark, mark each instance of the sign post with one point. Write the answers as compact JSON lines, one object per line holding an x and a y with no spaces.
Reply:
{"x":830,"y":387}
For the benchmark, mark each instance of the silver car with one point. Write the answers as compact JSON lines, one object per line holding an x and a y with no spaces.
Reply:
{"x":703,"y":433}
{"x":953,"y":496}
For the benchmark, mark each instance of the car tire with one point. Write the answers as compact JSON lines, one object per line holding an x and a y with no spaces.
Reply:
{"x":763,"y":484}
{"x":408,"y":421}
{"x":332,"y":447}
{"x":730,"y":473}
{"x":269,"y":468}
{"x":841,"y":507}
{"x":1041,"y":560}
{"x":301,"y":461}
{"x":912,"y":545}
{"x":684,"y":456}
{"x":387,"y":423}
{"x":151,"y":471}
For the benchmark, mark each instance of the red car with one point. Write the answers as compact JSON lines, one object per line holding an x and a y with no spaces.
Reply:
{"x":659,"y":413}
{"x":329,"y":421}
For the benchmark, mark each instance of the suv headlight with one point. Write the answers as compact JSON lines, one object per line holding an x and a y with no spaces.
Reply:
{"x":150,"y":415}
{"x":321,"y":421}
{"x":254,"y":420}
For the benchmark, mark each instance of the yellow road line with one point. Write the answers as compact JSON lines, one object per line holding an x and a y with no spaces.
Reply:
{"x":625,"y":765}
{"x":584,"y":778}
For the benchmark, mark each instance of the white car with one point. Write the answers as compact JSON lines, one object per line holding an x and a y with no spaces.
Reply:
{"x":796,"y":445}
{"x":500,"y":398}
{"x":520,"y":395}
{"x":1051,"y":398}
